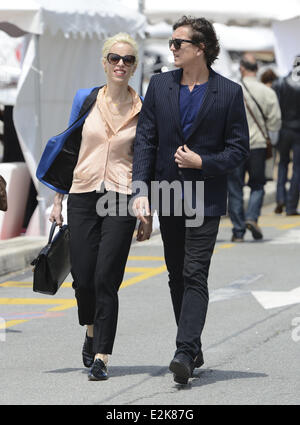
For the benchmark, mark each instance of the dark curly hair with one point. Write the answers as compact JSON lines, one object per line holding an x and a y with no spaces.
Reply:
{"x":202,"y":32}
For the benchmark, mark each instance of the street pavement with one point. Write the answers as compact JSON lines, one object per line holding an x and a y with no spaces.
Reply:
{"x":251,"y":340}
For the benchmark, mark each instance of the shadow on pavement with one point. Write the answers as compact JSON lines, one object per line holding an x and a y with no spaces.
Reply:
{"x":211,"y":376}
{"x":68,"y":370}
{"x":115,"y":371}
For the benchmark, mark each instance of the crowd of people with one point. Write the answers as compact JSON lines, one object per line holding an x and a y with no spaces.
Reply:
{"x":273,"y":115}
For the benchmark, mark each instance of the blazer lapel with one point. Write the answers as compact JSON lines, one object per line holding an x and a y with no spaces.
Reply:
{"x":208,"y":101}
{"x":174,"y":86}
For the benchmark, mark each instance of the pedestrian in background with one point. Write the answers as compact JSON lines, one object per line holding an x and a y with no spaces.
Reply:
{"x":192,"y":127}
{"x":96,"y":152}
{"x":288,"y":91}
{"x":263,"y":115}
{"x":268,"y":77}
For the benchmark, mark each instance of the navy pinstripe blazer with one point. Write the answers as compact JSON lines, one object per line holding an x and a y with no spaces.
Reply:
{"x":219,"y":134}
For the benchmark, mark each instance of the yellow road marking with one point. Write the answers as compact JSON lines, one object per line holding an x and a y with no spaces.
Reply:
{"x":289,"y":226}
{"x":11,"y":323}
{"x":150,"y":273}
{"x":12,"y":284}
{"x":64,"y":304}
{"x":223,"y":246}
{"x":138,"y":258}
{"x":18,"y":284}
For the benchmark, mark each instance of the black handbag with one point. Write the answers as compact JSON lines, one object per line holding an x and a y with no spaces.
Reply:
{"x":52,"y":265}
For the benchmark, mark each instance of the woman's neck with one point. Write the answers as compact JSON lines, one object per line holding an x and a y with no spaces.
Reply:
{"x":117,"y":93}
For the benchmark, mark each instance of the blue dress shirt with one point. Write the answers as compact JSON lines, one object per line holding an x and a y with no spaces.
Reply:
{"x":189,"y":104}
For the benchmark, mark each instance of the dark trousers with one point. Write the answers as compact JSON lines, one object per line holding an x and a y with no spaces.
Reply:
{"x":255,"y":166}
{"x":188,"y":252}
{"x":99,"y":249}
{"x":289,"y":141}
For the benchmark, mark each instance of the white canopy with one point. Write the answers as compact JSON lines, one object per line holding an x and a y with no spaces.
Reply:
{"x":237,"y":38}
{"x":10,"y":69}
{"x":224,"y":11}
{"x":287,"y":36}
{"x":63,"y":55}
{"x":76,"y":17}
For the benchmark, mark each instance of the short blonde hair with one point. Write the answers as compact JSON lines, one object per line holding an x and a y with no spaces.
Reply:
{"x":121,"y":37}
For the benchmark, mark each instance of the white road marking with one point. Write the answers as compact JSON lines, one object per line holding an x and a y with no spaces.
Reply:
{"x":288,"y":238}
{"x":235,"y":289}
{"x":273,"y":299}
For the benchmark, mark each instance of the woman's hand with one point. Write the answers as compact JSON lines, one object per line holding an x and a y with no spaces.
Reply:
{"x":55,"y":214}
{"x":144,"y":229}
{"x":185,"y":158}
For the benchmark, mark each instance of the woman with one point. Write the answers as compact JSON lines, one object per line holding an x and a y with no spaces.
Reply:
{"x":95,"y":154}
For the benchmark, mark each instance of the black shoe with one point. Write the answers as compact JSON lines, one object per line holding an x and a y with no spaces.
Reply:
{"x":182,"y":369}
{"x":199,"y":361}
{"x":254,"y":229}
{"x":293,"y":213}
{"x":279,"y":208}
{"x":87,"y":351}
{"x":237,"y":239}
{"x":98,"y":371}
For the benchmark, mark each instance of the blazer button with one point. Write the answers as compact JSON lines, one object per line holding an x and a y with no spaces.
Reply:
{"x":180,"y":173}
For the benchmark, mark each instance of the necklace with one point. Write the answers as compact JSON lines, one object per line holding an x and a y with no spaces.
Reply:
{"x":116,"y":104}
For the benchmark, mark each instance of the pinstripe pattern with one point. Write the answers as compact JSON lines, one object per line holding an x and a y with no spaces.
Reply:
{"x":219,"y":134}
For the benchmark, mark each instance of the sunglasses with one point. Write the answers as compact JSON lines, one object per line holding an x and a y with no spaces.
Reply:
{"x":114,"y":59}
{"x":177,"y":42}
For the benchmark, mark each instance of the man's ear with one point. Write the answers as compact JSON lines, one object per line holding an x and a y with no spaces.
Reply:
{"x":201,"y":48}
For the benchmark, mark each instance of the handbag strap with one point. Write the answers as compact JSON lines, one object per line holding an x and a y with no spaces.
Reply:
{"x":255,"y":120}
{"x":259,"y":108}
{"x":52,"y":230}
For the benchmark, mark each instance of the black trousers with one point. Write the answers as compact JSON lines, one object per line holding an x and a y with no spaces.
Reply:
{"x":99,"y":249}
{"x":188,"y":252}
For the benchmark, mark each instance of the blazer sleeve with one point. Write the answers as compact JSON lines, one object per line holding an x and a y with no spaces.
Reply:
{"x":236,"y":141}
{"x":76,"y":105}
{"x":146,"y":141}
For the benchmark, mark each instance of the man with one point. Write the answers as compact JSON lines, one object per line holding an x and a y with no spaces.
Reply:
{"x":192,"y":127}
{"x":263,"y":115}
{"x":288,"y":91}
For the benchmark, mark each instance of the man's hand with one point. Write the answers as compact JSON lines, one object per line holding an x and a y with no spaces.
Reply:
{"x":185,"y":158}
{"x":141,"y":209}
{"x":144,"y":229}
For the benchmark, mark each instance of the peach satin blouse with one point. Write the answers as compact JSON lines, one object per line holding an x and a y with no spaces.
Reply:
{"x":106,"y":150}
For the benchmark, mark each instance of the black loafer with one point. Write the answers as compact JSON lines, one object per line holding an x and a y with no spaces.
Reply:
{"x":98,"y":371}
{"x":87,"y":351}
{"x":199,"y":361}
{"x":182,"y":369}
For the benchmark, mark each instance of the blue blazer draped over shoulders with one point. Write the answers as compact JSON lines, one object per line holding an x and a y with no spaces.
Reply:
{"x":60,"y":156}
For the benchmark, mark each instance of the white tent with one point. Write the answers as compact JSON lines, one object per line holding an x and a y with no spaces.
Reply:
{"x":65,"y":39}
{"x":9,"y":68}
{"x":237,"y":38}
{"x":287,"y":46}
{"x":231,"y":11}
